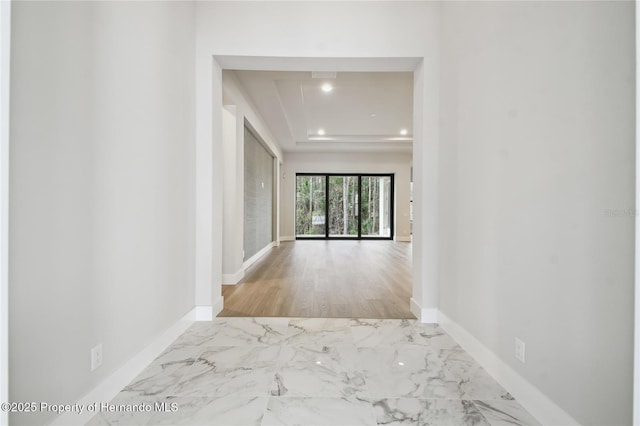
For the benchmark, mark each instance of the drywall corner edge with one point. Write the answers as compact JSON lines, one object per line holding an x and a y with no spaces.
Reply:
{"x":203,"y":313}
{"x":424,"y":315}
{"x":217,"y":307}
{"x":233,"y":279}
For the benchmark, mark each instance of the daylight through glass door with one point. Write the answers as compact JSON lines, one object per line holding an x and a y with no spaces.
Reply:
{"x":345,"y":206}
{"x":311,"y":206}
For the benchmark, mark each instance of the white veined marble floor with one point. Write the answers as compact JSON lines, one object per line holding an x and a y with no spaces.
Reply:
{"x":314,"y":371}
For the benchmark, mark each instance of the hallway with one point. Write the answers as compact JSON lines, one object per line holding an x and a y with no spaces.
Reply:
{"x":330,"y":279}
{"x":315,"y":371}
{"x":130,"y":195}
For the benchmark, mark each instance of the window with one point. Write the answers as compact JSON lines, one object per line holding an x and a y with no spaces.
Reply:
{"x":347,"y":206}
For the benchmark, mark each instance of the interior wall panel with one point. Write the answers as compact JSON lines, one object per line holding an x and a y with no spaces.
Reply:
{"x":258,"y":195}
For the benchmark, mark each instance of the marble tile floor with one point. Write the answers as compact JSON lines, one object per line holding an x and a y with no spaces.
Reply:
{"x":315,"y":371}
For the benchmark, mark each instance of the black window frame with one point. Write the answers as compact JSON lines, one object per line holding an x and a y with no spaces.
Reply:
{"x":391,"y":236}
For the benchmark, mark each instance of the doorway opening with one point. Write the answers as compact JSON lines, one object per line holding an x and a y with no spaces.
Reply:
{"x":344,"y":206}
{"x":423,"y":144}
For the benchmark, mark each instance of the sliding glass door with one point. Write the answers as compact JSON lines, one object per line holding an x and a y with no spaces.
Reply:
{"x":346,"y":206}
{"x":376,"y":206}
{"x":343,"y":206}
{"x":311,"y":205}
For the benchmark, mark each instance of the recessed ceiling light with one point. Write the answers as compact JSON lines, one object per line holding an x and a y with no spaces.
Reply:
{"x":373,"y":115}
{"x":327,"y":87}
{"x":403,"y":132}
{"x":321,"y":132}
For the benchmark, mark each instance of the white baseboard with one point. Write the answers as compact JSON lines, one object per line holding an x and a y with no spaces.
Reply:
{"x":287,"y":238}
{"x":203,"y":313}
{"x":532,"y":399}
{"x":403,"y":238}
{"x":216,"y":308}
{"x":233,"y":279}
{"x":424,"y":315}
{"x":253,"y":259}
{"x":106,"y":390}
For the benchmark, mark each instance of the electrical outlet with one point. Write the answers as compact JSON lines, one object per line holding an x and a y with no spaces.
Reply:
{"x":96,"y":357}
{"x":520,"y":350}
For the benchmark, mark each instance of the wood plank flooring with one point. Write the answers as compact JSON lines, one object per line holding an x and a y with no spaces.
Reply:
{"x":331,"y":279}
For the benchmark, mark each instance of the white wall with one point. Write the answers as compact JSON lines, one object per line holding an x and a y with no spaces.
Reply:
{"x":259,"y":193}
{"x":399,"y":164}
{"x":537,"y":148}
{"x":233,"y":205}
{"x":233,"y":94}
{"x":636,"y":363}
{"x":102,"y":177}
{"x":237,"y":101}
{"x":292,"y":36}
{"x":5,"y":47}
{"x":517,"y":228}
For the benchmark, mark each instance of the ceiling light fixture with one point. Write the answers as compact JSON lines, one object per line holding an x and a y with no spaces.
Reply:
{"x":327,"y":87}
{"x":374,"y":115}
{"x":321,"y":132}
{"x":403,"y":132}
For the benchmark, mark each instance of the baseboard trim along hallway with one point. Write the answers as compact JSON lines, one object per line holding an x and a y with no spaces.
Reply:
{"x":424,"y":315}
{"x":233,"y":279}
{"x":253,"y":259}
{"x":536,"y":402}
{"x":114,"y":383}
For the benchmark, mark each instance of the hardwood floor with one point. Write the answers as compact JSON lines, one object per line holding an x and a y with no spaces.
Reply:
{"x":332,"y":279}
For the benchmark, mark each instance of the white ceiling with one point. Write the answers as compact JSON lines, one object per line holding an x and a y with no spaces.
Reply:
{"x":364,"y":111}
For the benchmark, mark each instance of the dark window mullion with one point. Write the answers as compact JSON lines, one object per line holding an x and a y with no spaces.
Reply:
{"x":359,"y":207}
{"x":392,"y":199}
{"x":326,"y":206}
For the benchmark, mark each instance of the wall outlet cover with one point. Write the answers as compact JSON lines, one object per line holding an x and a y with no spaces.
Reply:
{"x":520,"y":350}
{"x":96,"y":357}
